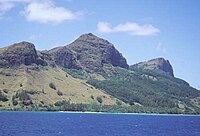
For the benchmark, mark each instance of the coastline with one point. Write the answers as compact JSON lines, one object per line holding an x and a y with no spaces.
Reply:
{"x":100,"y":113}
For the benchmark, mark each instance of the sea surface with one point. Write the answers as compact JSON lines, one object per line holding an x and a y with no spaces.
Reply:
{"x":96,"y":124}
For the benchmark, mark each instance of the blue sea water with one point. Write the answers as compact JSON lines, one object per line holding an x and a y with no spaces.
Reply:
{"x":90,"y":124}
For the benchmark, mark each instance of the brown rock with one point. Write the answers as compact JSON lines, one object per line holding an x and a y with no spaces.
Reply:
{"x":158,"y":63}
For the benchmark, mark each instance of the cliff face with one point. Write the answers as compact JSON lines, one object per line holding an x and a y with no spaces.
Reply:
{"x":18,"y":54}
{"x":88,"y":52}
{"x":158,"y":63}
{"x":64,"y":57}
{"x":93,"y":52}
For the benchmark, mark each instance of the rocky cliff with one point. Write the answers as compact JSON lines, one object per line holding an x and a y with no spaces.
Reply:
{"x":64,"y":57}
{"x":88,"y":52}
{"x":20,"y":53}
{"x":93,"y":52}
{"x":158,"y":63}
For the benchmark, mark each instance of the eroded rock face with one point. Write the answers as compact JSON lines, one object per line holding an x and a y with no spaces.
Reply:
{"x":64,"y":57}
{"x":18,"y":54}
{"x":158,"y":63}
{"x":92,"y":52}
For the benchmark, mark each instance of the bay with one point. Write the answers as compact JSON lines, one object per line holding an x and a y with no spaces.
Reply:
{"x":96,"y":124}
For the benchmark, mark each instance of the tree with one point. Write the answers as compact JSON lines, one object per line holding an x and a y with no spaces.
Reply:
{"x":15,"y":102}
{"x":3,"y":97}
{"x":99,"y":99}
{"x":59,"y":93}
{"x":52,"y":85}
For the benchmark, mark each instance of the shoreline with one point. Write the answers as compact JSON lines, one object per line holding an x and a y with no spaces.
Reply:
{"x":101,"y":113}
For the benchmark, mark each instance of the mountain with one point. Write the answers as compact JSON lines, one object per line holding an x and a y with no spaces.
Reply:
{"x":88,"y":52}
{"x":90,"y":74}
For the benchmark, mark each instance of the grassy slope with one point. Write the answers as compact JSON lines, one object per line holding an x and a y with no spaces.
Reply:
{"x":73,"y":89}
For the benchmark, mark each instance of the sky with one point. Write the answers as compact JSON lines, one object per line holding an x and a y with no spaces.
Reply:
{"x":140,"y":29}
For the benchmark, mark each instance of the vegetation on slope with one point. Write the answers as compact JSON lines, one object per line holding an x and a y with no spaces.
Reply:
{"x":149,"y":88}
{"x":45,"y":86}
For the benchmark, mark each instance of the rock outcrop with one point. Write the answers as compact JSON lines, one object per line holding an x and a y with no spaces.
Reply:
{"x":158,"y":63}
{"x":93,"y":52}
{"x":88,"y":52}
{"x":20,"y":53}
{"x":64,"y":57}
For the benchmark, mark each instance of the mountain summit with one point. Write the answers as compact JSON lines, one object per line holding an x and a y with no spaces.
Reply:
{"x":90,"y":53}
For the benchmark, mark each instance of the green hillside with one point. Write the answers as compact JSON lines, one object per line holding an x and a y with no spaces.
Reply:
{"x":150,"y":89}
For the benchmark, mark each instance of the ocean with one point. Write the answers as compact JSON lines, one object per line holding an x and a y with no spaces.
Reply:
{"x":96,"y":124}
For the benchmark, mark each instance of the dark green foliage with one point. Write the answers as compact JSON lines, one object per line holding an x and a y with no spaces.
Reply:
{"x":21,"y":85}
{"x":138,"y":87}
{"x":59,"y":93}
{"x":99,"y":99}
{"x":15,"y":102}
{"x":23,"y":97}
{"x":52,"y":85}
{"x":119,"y":103}
{"x":92,"y":97}
{"x":75,"y":73}
{"x":67,"y":106}
{"x":3,"y":97}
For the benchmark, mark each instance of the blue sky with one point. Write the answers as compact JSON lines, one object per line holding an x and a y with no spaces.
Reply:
{"x":140,"y":29}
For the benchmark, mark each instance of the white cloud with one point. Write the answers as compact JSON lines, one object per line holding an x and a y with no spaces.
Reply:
{"x":104,"y":27}
{"x":130,"y":27}
{"x":161,"y":48}
{"x":42,"y":11}
{"x":6,"y":5}
{"x":47,"y":12}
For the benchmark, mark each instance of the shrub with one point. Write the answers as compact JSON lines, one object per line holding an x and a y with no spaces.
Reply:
{"x":99,"y":99}
{"x":59,"y":93}
{"x":43,"y":91}
{"x":27,"y":102}
{"x":15,"y":102}
{"x":92,"y":97}
{"x":119,"y":103}
{"x":22,"y":96}
{"x":3,"y":97}
{"x":5,"y":90}
{"x":52,"y":85}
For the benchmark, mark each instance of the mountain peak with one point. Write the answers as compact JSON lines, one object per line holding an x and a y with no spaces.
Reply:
{"x":91,"y":38}
{"x":157,"y":63}
{"x":93,"y":52}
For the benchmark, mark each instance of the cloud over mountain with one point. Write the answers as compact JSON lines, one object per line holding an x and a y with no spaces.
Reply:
{"x":129,"y":27}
